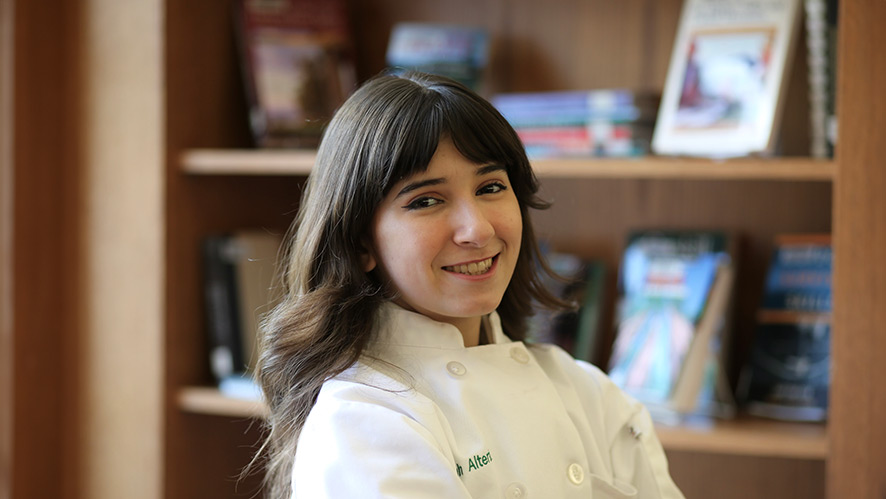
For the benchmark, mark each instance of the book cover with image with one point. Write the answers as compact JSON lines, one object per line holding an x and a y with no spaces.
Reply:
{"x":674,"y":294}
{"x":297,"y":66}
{"x":726,"y":81}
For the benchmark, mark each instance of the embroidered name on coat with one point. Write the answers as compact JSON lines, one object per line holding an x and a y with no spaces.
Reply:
{"x":475,"y":463}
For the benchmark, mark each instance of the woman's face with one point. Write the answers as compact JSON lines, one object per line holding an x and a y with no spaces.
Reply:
{"x":447,"y":239}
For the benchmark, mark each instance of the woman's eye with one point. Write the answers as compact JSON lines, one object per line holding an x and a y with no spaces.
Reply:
{"x":422,"y":202}
{"x":492,"y":188}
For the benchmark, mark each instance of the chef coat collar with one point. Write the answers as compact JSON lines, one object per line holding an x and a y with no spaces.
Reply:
{"x":401,"y":327}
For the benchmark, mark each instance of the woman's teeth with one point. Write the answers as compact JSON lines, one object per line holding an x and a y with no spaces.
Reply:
{"x":473,"y":268}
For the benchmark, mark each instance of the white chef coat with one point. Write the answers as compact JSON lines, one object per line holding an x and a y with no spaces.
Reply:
{"x":422,"y":416}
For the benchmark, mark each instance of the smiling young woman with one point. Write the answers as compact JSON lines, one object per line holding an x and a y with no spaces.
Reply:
{"x":394,"y":366}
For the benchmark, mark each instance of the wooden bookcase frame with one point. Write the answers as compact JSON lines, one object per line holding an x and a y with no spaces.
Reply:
{"x":201,"y":446}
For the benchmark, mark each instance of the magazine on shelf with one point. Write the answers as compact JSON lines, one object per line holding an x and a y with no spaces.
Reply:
{"x":675,"y":294}
{"x":788,"y":375}
{"x":297,"y":64}
{"x":725,"y":86}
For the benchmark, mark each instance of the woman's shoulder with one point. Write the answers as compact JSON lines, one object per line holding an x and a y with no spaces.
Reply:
{"x":371,"y":382}
{"x":553,"y":356}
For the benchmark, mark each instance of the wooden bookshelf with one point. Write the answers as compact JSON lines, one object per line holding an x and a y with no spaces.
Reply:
{"x":743,"y":436}
{"x":300,"y":162}
{"x":213,"y":183}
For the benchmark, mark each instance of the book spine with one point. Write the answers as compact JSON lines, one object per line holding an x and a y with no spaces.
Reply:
{"x":222,"y":309}
{"x":820,"y":86}
{"x":588,"y":99}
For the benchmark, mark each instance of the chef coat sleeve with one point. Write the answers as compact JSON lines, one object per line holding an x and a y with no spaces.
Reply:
{"x":364,"y":449}
{"x":637,"y":456}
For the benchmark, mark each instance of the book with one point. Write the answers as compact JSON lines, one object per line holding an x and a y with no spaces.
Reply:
{"x":459,"y":52}
{"x":601,"y":122}
{"x":788,"y":375}
{"x":588,"y":321}
{"x":576,"y":330}
{"x":297,"y":64}
{"x":702,"y":387}
{"x":727,"y":76}
{"x":576,"y":107}
{"x":675,"y":290}
{"x":239,"y":269}
{"x":222,"y":309}
{"x":602,"y":139}
{"x":821,"y":33}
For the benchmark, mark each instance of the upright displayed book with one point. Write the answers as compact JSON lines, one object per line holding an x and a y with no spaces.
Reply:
{"x":601,"y":122}
{"x":727,"y":77}
{"x":297,"y":64}
{"x":459,"y":52}
{"x":788,"y":376}
{"x":239,"y":269}
{"x":576,"y":331}
{"x":675,"y":290}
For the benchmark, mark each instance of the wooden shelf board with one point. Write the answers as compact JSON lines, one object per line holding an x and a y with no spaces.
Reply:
{"x":208,"y":400}
{"x":743,"y":436}
{"x":300,"y":162}
{"x":248,"y":161}
{"x":655,"y":167}
{"x":748,"y":436}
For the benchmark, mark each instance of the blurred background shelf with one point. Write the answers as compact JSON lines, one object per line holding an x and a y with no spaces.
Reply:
{"x":208,"y":400}
{"x":299,"y":162}
{"x":748,"y":436}
{"x":745,"y":436}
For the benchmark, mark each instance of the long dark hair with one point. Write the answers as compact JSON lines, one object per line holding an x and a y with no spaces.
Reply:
{"x":386,"y":131}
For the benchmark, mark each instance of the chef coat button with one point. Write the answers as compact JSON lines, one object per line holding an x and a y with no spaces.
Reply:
{"x":519,"y":355}
{"x":515,"y":491}
{"x":576,"y":473}
{"x":456,"y":368}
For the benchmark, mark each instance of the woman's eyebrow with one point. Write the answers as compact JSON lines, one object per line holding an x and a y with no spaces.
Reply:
{"x":418,"y":184}
{"x":490,"y":168}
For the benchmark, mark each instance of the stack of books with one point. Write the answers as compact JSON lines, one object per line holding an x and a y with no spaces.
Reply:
{"x":609,"y":123}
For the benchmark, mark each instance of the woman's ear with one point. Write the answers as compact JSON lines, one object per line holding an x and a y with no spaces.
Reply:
{"x":367,"y":259}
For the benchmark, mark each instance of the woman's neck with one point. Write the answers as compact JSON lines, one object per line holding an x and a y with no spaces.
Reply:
{"x":471,"y":330}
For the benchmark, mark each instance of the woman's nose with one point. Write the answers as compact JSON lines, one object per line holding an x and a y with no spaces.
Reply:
{"x":473,"y":226}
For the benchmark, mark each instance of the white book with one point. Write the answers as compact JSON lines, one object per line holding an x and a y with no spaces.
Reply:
{"x":726,"y":81}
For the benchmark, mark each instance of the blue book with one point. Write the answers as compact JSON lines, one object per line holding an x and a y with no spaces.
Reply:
{"x":589,"y":99}
{"x":665,"y":285}
{"x":575,"y":107}
{"x":788,"y":375}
